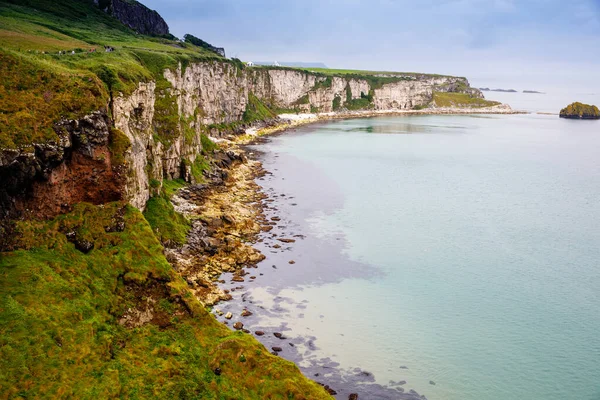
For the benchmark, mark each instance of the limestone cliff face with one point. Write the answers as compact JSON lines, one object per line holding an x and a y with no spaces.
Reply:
{"x":164,"y":127}
{"x":217,"y":93}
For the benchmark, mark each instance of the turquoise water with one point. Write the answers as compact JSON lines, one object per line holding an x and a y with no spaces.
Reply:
{"x":483,"y":233}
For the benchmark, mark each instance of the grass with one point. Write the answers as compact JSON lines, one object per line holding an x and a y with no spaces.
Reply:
{"x":119,"y":144}
{"x":199,"y":165}
{"x":208,"y":146}
{"x":443,"y":99}
{"x":256,"y":110}
{"x":170,"y":227}
{"x":60,"y":335}
{"x":359,"y":72}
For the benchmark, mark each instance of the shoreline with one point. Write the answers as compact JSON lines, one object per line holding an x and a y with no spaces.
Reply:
{"x":291,"y":121}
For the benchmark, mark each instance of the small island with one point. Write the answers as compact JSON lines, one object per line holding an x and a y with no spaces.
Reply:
{"x":532,"y":92}
{"x":498,"y":90}
{"x":580,"y":111}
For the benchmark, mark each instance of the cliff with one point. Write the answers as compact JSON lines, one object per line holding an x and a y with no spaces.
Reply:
{"x":136,"y":16}
{"x":165,"y":120}
{"x":580,"y":111}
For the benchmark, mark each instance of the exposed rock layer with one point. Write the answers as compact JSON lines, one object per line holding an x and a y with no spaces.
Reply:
{"x":136,"y":16}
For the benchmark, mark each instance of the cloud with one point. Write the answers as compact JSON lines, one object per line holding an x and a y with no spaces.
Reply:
{"x":465,"y":37}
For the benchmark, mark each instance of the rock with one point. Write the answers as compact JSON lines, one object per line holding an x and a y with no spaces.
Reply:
{"x":291,"y":262}
{"x":245,"y":331}
{"x":275,"y":219}
{"x":285,"y":240}
{"x":330,"y":390}
{"x":229,"y":315}
{"x":246,"y":313}
{"x":432,"y":383}
{"x":237,"y":279}
{"x":277,"y":349}
{"x":253,"y":277}
{"x":259,"y":333}
{"x":217,"y":371}
{"x":580,"y":111}
{"x":276,"y":246}
{"x":138,"y":17}
{"x":82,"y":245}
{"x":238,"y":325}
{"x":353,"y":396}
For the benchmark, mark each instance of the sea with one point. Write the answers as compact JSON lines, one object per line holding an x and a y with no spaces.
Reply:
{"x":450,"y":257}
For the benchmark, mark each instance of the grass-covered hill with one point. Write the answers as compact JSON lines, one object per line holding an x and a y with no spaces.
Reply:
{"x":89,"y":306}
{"x":39,"y":86}
{"x":91,"y":309}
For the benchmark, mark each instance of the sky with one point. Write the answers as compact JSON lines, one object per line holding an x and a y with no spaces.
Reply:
{"x":535,"y":44}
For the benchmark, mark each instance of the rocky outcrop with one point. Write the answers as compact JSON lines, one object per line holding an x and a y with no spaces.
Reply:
{"x":580,"y":111}
{"x":136,"y":16}
{"x":46,"y":179}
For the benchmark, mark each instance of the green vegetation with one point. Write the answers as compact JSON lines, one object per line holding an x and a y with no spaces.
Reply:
{"x":445,"y":99}
{"x":323,"y":84}
{"x":39,"y":86}
{"x":170,"y":227}
{"x":337,"y":103}
{"x":256,"y":110}
{"x":200,"y":43}
{"x":171,"y":186}
{"x":200,"y":165}
{"x":119,"y":144}
{"x":580,"y":111}
{"x":208,"y":146}
{"x":302,"y":100}
{"x":70,"y":326}
{"x":365,"y":101}
{"x":362,"y":73}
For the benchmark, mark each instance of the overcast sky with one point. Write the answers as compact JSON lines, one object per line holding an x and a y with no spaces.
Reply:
{"x":534,"y":44}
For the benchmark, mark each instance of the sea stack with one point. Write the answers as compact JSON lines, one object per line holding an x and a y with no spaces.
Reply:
{"x":580,"y":111}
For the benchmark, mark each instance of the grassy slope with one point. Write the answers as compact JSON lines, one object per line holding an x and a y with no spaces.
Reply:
{"x":38,"y":86}
{"x":443,"y":99}
{"x":334,"y":72}
{"x":59,"y":330}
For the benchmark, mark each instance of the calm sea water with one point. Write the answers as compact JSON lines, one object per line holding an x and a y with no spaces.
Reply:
{"x":464,"y":248}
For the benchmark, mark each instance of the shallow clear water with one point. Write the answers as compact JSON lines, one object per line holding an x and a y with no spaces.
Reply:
{"x":470,"y":251}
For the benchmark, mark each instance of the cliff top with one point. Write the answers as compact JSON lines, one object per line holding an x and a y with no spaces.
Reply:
{"x":416,"y":75}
